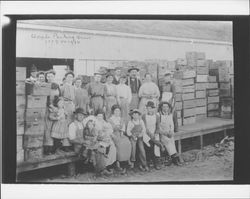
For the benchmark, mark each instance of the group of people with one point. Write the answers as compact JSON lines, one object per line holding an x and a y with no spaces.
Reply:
{"x":117,"y":123}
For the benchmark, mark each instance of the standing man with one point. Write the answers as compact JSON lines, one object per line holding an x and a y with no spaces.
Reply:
{"x":134,"y":83}
{"x":117,"y":76}
{"x":167,"y":91}
{"x":97,"y":92}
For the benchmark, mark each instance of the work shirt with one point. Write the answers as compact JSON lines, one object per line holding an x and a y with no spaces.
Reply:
{"x":149,"y":89}
{"x":68,"y":92}
{"x":124,"y":91}
{"x":134,"y":84}
{"x":168,"y":87}
{"x":116,"y":80}
{"x":97,"y":89}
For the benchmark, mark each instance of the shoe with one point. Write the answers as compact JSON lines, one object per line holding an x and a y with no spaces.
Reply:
{"x":106,"y":172}
{"x":176,"y":161}
{"x":124,"y":171}
{"x":157,"y":167}
{"x":131,"y":165}
{"x":146,"y":168}
{"x":142,"y":168}
{"x":167,"y":162}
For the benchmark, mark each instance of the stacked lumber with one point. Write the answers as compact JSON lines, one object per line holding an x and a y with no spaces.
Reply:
{"x":178,"y":103}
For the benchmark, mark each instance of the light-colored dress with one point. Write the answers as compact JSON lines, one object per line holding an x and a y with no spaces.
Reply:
{"x":149,"y":91}
{"x":110,"y":98}
{"x":122,"y":143}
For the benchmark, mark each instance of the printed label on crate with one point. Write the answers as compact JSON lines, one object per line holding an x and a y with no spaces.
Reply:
{"x":34,"y":128}
{"x":36,"y":101}
{"x":213,"y":106}
{"x":226,"y":108}
{"x":201,"y":102}
{"x":201,"y":86}
{"x":41,"y":89}
{"x":214,"y":99}
{"x":189,"y":104}
{"x":35,"y":115}
{"x":189,"y":112}
{"x":202,"y":78}
{"x":200,"y":94}
{"x":187,"y":96}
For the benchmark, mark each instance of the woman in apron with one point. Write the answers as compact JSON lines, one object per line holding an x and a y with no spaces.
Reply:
{"x":149,"y":91}
{"x":122,"y":143}
{"x":167,"y":132}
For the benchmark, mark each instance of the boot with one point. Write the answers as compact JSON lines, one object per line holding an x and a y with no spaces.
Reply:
{"x":168,"y":161}
{"x":66,"y":149}
{"x":157,"y":164}
{"x":176,"y":160}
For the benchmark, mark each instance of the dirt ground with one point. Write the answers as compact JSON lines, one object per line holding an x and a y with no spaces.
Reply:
{"x":213,"y":163}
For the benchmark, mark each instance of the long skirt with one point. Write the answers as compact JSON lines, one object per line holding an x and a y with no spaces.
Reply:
{"x":111,"y":155}
{"x":110,"y":101}
{"x":48,"y":140}
{"x":60,"y":131}
{"x":96,"y":103}
{"x":124,"y":110}
{"x":123,"y":147}
{"x":144,"y":101}
{"x":169,"y":144}
{"x":134,"y":102}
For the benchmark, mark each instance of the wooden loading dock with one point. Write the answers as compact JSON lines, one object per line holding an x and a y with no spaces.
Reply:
{"x":198,"y":129}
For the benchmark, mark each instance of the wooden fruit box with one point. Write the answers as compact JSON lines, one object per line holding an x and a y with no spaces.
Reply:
{"x":20,"y":156}
{"x":201,"y":117}
{"x":19,"y":142}
{"x":189,"y":74}
{"x":213,"y":85}
{"x":201,"y":86}
{"x":189,"y":112}
{"x":212,"y":78}
{"x":178,"y":106}
{"x":35,"y":114}
{"x":224,"y":78}
{"x":201,"y":110}
{"x":178,"y":97}
{"x":182,"y":62}
{"x":188,"y":96}
{"x":41,"y":90}
{"x":214,"y":99}
{"x":20,"y":87}
{"x":213,"y":92}
{"x":34,"y":128}
{"x":214,"y":113}
{"x":214,"y":72}
{"x":178,"y":89}
{"x":179,"y":115}
{"x":188,"y":89}
{"x":200,"y":94}
{"x":20,"y":73}
{"x":202,"y":78}
{"x":189,"y":104}
{"x":19,"y":127}
{"x":188,"y":82}
{"x":201,"y":63}
{"x":225,"y":85}
{"x":226,"y":115}
{"x":189,"y":120}
{"x":20,"y":102}
{"x":202,"y":70}
{"x":209,"y":63}
{"x":32,"y":141}
{"x":213,"y":106}
{"x":201,"y":56}
{"x":36,"y":101}
{"x":20,"y":114}
{"x":225,"y":92}
{"x":191,"y":63}
{"x":201,"y":102}
{"x":226,"y":108}
{"x":33,"y":154}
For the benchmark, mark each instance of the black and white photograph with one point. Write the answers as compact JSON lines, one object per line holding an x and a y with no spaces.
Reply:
{"x":121,"y":101}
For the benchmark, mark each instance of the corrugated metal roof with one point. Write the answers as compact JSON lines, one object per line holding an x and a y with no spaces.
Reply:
{"x":208,"y":30}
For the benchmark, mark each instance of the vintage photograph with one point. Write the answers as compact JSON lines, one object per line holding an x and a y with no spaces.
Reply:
{"x":109,"y":101}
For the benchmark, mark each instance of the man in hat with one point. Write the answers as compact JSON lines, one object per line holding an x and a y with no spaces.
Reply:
{"x":167,"y":91}
{"x":152,"y":123}
{"x":117,"y":76}
{"x":134,"y":83}
{"x":97,"y":92}
{"x":33,"y":75}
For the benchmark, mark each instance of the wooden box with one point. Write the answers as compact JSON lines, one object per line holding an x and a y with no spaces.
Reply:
{"x":225,"y":92}
{"x":201,"y":110}
{"x":32,"y":141}
{"x":178,"y":97}
{"x":214,"y":72}
{"x":20,"y":114}
{"x":20,"y":102}
{"x":201,"y":63}
{"x":224,"y":77}
{"x":201,"y":117}
{"x":20,"y":73}
{"x":187,"y":82}
{"x":178,"y":75}
{"x":213,"y":92}
{"x":179,"y":120}
{"x":189,"y":74}
{"x":214,"y":99}
{"x":36,"y":101}
{"x":201,"y":55}
{"x":225,"y":85}
{"x":178,"y":106}
{"x":201,"y":86}
{"x":213,"y":106}
{"x":209,"y":63}
{"x":189,"y":104}
{"x":19,"y":127}
{"x":187,"y":96}
{"x":225,"y":108}
{"x":41,"y":90}
{"x":182,"y":62}
{"x":179,"y":115}
{"x":213,"y":85}
{"x":202,"y":78}
{"x":214,"y":113}
{"x":202,"y":70}
{"x":33,"y":154}
{"x":20,"y":87}
{"x":19,"y":142}
{"x":191,"y":55}
{"x":188,"y":89}
{"x":201,"y":102}
{"x":189,"y":120}
{"x":189,"y":112}
{"x":200,"y":94}
{"x":226,"y":115}
{"x":35,"y":114}
{"x":20,"y":156}
{"x":212,"y":78}
{"x":34,"y":128}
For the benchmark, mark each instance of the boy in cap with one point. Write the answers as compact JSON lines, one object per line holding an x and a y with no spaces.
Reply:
{"x":134,"y":83}
{"x":167,"y":91}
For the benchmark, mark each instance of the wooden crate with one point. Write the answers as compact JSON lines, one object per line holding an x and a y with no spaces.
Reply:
{"x":201,"y":117}
{"x":41,"y":90}
{"x":179,"y":115}
{"x":201,"y":63}
{"x":212,"y":78}
{"x":20,"y":156}
{"x":200,"y":94}
{"x":178,"y":97}
{"x":187,"y":82}
{"x":189,"y":103}
{"x":189,"y":112}
{"x":214,"y":72}
{"x":36,"y":101}
{"x":178,"y":89}
{"x":189,"y":120}
{"x":179,"y":120}
{"x":213,"y":106}
{"x":19,"y":142}
{"x":202,"y":70}
{"x":34,"y":128}
{"x":201,"y":86}
{"x":226,"y":108}
{"x":178,"y":75}
{"x":32,"y":141}
{"x":189,"y":74}
{"x":187,"y":96}
{"x":209,"y":63}
{"x":20,"y":114}
{"x":226,"y":115}
{"x":201,"y":110}
{"x":225,"y":92}
{"x":20,"y":87}
{"x":19,"y":127}
{"x":201,"y":102}
{"x":214,"y":99}
{"x":20,"y":73}
{"x":213,"y":92}
{"x":20,"y":102}
{"x":201,"y":56}
{"x":178,"y":106}
{"x":225,"y":85}
{"x":213,"y":85}
{"x":182,"y":62}
{"x":214,"y":113}
{"x":224,"y":77}
{"x":33,"y":154}
{"x":188,"y":89}
{"x":202,"y":78}
{"x":35,"y":114}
